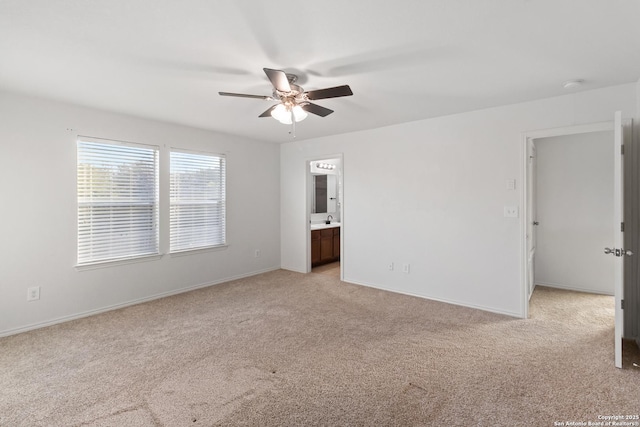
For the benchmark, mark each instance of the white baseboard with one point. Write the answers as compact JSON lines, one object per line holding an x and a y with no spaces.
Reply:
{"x":447,"y":301}
{"x":295,"y":270}
{"x":68,"y":318}
{"x":571,"y":288}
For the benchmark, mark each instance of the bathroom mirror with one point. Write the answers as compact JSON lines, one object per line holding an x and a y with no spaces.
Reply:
{"x":325,"y":192}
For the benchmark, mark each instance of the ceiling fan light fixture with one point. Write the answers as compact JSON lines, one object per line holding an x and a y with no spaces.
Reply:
{"x":299,"y":114}
{"x":283,"y":113}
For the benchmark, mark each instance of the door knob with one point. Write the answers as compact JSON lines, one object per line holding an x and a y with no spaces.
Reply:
{"x":536,"y":223}
{"x":618,"y":252}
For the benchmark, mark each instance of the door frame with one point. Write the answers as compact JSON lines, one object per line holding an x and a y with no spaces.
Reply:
{"x":532,"y":212}
{"x":524,"y":220}
{"x":308,"y":202}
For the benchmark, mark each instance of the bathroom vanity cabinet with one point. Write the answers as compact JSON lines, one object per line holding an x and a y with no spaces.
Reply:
{"x":325,"y":246}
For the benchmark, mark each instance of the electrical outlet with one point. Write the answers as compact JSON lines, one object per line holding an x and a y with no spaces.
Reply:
{"x":257,"y":253}
{"x":390,"y":266}
{"x":511,"y":212}
{"x":406,"y":268}
{"x":33,"y":293}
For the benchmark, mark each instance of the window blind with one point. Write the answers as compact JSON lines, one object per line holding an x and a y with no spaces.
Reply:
{"x":117,"y":200}
{"x":197,"y":201}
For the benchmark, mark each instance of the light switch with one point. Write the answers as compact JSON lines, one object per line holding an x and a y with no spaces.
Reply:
{"x":511,"y":184}
{"x":511,"y":212}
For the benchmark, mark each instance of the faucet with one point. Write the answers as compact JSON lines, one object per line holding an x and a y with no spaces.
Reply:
{"x":329,"y":218}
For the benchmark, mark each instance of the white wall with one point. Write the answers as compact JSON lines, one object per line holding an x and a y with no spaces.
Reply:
{"x":38,"y":213}
{"x":575,"y":212}
{"x":431,"y":193}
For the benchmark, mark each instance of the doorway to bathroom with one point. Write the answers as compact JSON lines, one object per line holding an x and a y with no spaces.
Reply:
{"x":325,"y":216}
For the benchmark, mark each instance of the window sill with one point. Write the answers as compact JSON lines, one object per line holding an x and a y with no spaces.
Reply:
{"x":114,"y":263}
{"x":195,"y":251}
{"x":155,"y":257}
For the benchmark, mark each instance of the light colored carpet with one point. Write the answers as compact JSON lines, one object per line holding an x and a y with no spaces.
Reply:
{"x":286,"y":349}
{"x":331,"y":269}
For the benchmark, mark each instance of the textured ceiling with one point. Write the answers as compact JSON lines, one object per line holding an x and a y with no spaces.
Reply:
{"x":404,"y":60}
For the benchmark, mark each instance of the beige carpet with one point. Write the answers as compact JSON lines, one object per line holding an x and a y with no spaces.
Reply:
{"x":332,"y":269}
{"x":286,"y":349}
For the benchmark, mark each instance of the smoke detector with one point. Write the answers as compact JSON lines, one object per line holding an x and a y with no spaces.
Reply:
{"x":572,"y":84}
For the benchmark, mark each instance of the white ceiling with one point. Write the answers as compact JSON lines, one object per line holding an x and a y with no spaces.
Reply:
{"x":404,"y":60}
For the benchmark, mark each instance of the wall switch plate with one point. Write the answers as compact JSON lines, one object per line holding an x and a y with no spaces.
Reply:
{"x":511,"y":184}
{"x":390,"y":266}
{"x":511,"y":212}
{"x":33,"y":293}
{"x":257,"y":253}
{"x":406,"y":268}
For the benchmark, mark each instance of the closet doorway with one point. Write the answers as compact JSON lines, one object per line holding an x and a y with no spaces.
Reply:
{"x":577,"y":239}
{"x":574,"y":214}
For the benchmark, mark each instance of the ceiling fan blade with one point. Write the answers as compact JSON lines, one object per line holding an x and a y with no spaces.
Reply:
{"x":278,"y":79}
{"x":244,"y":95}
{"x":316,"y":109}
{"x":268,"y":112}
{"x":332,"y":92}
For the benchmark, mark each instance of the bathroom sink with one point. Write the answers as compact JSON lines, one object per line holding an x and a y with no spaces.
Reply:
{"x":321,"y":225}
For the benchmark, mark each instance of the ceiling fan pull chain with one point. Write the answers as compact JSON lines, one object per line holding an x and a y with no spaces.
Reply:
{"x":293,"y":126}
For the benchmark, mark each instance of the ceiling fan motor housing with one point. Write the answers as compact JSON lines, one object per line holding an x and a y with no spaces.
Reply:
{"x":293,"y":97}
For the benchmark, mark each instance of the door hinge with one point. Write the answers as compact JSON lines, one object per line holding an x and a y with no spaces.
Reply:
{"x":622,"y":304}
{"x":622,"y":149}
{"x":622,"y":226}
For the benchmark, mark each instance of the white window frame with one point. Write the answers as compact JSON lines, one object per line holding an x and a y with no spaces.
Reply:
{"x":107,"y":233}
{"x":197,"y":207}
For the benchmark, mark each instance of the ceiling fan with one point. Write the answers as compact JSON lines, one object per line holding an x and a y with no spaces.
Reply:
{"x":293,"y":104}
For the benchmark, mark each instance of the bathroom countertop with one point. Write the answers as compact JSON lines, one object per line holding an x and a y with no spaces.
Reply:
{"x":322,"y":225}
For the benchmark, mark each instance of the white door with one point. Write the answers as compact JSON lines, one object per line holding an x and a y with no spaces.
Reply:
{"x":618,"y":239}
{"x":532,"y":221}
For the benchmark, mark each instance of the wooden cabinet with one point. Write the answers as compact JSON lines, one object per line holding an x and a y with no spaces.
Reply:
{"x":315,"y":247}
{"x":336,"y":243}
{"x":325,"y":245}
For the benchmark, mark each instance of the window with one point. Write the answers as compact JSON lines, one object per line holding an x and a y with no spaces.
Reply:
{"x":117,"y":200}
{"x":197,"y":201}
